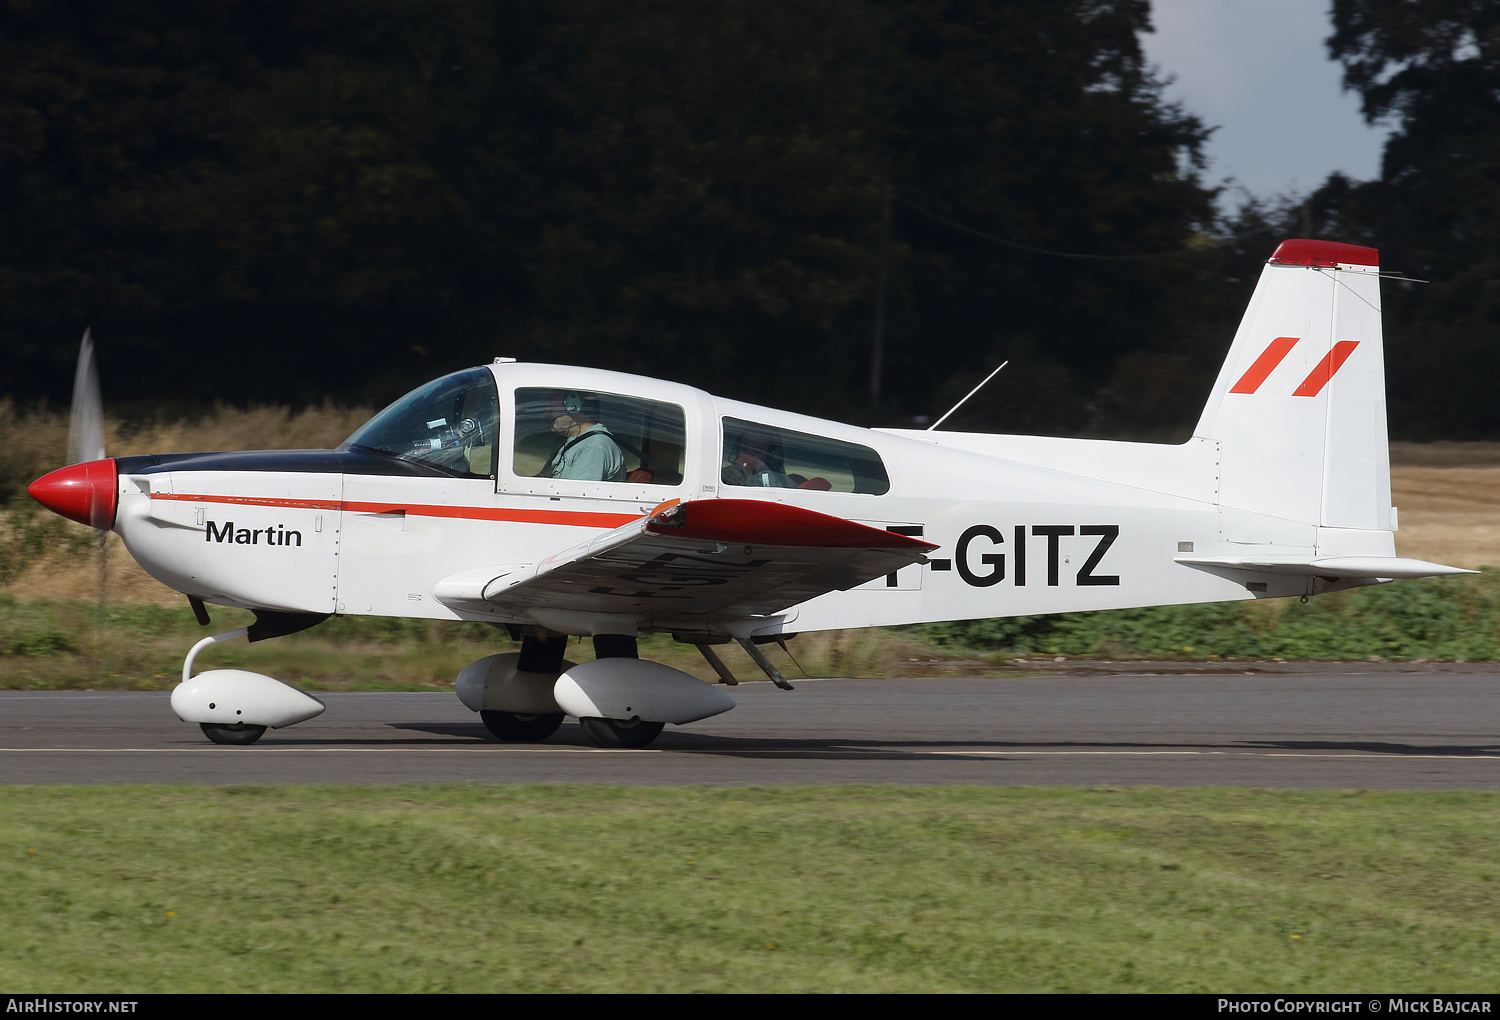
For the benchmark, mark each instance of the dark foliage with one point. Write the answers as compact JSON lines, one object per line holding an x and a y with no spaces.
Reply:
{"x":1434,"y":69}
{"x":287,"y":201}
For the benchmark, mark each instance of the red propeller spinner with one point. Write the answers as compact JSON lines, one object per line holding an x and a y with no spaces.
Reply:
{"x":86,"y":493}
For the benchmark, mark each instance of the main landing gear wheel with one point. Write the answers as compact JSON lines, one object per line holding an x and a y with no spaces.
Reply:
{"x":620,"y":732}
{"x":516,"y":728}
{"x":239,"y":734}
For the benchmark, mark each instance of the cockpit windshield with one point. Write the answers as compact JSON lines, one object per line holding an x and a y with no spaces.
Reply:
{"x":450,"y":424}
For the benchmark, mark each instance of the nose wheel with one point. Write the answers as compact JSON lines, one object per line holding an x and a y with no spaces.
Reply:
{"x":238,"y":735}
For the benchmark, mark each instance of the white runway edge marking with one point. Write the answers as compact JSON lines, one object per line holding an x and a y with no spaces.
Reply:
{"x":1246,"y":752}
{"x":333,"y":750}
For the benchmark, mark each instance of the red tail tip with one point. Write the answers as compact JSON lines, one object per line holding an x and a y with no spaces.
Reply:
{"x":1303,"y":252}
{"x":86,"y":493}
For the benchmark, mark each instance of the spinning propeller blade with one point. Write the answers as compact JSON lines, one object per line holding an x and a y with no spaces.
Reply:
{"x":86,"y":422}
{"x":85,"y":490}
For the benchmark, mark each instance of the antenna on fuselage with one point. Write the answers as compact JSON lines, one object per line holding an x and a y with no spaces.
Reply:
{"x":961,"y":403}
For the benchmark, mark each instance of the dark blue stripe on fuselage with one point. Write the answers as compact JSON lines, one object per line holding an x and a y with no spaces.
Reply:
{"x":348,"y":461}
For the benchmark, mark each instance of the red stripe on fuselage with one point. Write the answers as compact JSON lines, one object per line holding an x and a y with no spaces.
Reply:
{"x":1265,"y":364}
{"x":575,"y":518}
{"x":299,"y":504}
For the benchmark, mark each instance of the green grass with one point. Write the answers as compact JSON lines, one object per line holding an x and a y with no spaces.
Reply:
{"x":59,"y":644}
{"x":62,"y":644}
{"x":1447,"y":618}
{"x":565,"y":888}
{"x":55,"y":644}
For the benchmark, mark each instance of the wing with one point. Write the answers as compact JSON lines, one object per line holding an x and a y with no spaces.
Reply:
{"x":707,"y":559}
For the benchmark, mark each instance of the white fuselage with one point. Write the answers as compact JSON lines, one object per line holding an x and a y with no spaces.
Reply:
{"x":1023,"y":525}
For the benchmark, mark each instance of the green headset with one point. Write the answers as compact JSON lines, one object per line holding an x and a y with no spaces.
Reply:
{"x":576,"y":404}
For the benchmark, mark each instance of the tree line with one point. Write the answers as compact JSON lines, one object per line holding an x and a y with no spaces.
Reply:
{"x":853,"y":208}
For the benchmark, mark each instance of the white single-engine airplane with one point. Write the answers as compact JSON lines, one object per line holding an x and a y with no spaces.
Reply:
{"x":556,"y":501}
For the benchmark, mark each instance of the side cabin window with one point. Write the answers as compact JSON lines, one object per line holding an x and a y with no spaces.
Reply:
{"x":599,"y":437}
{"x":763,"y":455}
{"x":451,"y":424}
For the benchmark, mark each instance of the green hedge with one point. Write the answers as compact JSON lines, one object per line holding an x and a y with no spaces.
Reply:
{"x":1432,"y":618}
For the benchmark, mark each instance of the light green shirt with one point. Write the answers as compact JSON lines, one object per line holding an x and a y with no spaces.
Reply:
{"x":591,"y":456}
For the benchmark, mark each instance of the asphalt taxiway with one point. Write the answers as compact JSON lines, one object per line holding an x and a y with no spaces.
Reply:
{"x":1310,"y":727}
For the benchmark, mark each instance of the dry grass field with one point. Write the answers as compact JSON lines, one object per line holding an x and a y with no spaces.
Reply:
{"x":33,"y":441}
{"x":1449,"y":500}
{"x":61,"y":574}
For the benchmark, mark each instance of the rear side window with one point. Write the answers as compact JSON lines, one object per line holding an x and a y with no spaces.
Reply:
{"x":603,"y":437}
{"x":766,"y":456}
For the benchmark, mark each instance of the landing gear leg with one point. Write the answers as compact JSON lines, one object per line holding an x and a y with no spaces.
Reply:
{"x":615,"y":646}
{"x":542,"y":656}
{"x":619,"y":732}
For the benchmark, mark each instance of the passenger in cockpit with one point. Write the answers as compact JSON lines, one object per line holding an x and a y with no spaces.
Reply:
{"x":756,"y":462}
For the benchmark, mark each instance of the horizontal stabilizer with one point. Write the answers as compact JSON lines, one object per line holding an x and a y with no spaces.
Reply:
{"x":1326,"y":566}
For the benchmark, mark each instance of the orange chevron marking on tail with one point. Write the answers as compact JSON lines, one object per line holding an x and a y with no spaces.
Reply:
{"x":1325,"y":369}
{"x":1264,"y":365}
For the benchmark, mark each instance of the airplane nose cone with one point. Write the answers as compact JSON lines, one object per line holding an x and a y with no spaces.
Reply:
{"x":85,"y":492}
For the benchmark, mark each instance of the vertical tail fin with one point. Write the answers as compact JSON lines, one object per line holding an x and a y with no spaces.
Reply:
{"x":1299,"y":406}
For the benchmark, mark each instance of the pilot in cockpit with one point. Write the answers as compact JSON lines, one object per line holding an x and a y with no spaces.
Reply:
{"x":588,"y":452}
